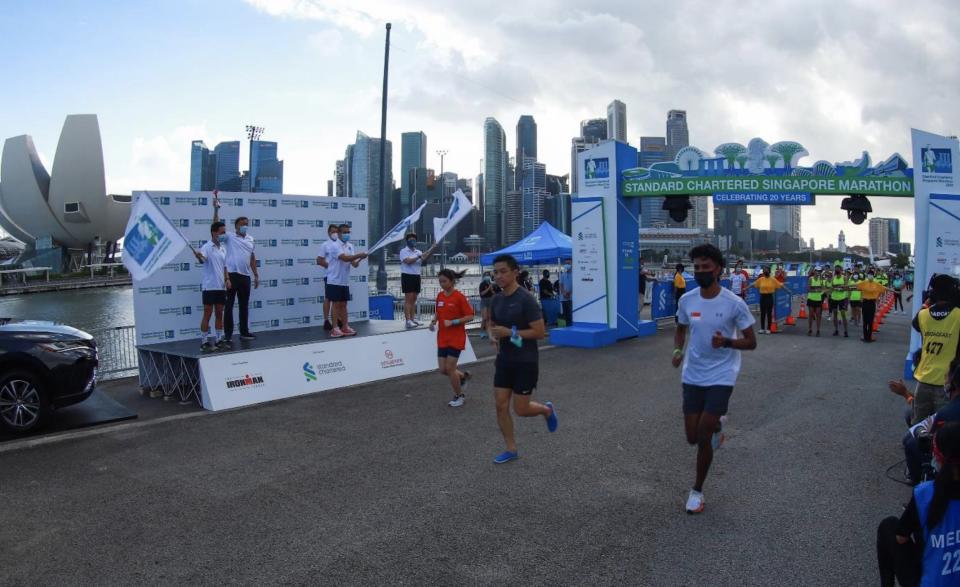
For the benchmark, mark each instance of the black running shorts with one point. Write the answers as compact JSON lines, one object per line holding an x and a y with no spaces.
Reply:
{"x":521,"y":378}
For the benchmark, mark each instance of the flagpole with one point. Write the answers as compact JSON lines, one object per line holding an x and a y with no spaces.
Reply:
{"x":382,"y":265}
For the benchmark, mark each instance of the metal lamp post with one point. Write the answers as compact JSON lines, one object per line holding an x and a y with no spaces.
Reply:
{"x":382,"y":261}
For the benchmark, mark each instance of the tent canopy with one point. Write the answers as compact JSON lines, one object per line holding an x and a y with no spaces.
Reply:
{"x":543,"y":244}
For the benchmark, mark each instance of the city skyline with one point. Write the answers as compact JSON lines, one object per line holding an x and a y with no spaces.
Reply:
{"x":153,"y":98}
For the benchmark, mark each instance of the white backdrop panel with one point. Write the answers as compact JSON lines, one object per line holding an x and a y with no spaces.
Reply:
{"x":288,"y":230}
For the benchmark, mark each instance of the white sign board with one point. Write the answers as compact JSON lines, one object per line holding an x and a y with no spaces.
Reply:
{"x":288,"y":231}
{"x":943,"y":252}
{"x":241,"y":379}
{"x":590,"y":297}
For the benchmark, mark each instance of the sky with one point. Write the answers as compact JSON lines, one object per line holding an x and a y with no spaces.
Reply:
{"x":840,"y":77}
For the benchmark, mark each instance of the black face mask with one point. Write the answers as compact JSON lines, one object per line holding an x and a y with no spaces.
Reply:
{"x":704,"y":278}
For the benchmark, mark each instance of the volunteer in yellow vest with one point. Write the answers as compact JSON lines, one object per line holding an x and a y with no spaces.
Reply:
{"x":679,"y":287}
{"x":939,"y":328}
{"x":838,"y":301}
{"x":815,"y":286}
{"x":870,"y":291}
{"x":767,"y":286}
{"x":854,"y":280}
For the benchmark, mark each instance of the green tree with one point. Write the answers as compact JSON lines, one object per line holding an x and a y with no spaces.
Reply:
{"x":772,"y":157}
{"x":730,"y":152}
{"x":788,"y":150}
{"x":902,"y":261}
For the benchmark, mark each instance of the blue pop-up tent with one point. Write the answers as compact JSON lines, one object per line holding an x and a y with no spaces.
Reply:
{"x":544,"y":244}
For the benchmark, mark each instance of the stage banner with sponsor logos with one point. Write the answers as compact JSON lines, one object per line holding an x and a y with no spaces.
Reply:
{"x":936,"y":182}
{"x":240,"y":379}
{"x":288,"y":231}
{"x":590,"y":291}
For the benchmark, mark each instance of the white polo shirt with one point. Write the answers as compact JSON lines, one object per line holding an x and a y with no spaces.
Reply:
{"x":411,"y":268}
{"x":339,"y":271}
{"x":328,"y":250}
{"x":239,"y":249}
{"x":216,"y":260}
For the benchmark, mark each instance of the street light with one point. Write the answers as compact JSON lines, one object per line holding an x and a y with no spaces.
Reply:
{"x":443,"y":214}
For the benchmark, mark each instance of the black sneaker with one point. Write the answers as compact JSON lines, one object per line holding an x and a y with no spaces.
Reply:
{"x":327,"y":325}
{"x":248,"y":336}
{"x":206,"y":347}
{"x":224,"y":344}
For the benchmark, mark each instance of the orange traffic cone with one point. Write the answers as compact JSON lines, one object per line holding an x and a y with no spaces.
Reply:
{"x":803,"y":311}
{"x":876,"y":326}
{"x":791,"y":321}
{"x":773,"y":325}
{"x":826,"y":306}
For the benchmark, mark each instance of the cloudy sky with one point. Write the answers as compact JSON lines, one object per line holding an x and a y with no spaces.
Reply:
{"x":840,"y":77}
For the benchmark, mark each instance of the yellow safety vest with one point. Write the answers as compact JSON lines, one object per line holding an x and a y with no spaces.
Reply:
{"x":855,"y":294}
{"x":939,"y":346}
{"x":815,"y":296}
{"x":839,"y":291}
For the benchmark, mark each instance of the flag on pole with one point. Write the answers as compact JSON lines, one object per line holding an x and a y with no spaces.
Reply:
{"x":150,"y":240}
{"x":399,"y":231}
{"x":459,"y":209}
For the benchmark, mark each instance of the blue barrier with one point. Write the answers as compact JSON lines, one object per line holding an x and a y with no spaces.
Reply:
{"x":551,"y":311}
{"x":664,"y":306}
{"x":381,"y":307}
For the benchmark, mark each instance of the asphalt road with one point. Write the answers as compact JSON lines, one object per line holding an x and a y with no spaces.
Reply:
{"x":384,"y":484}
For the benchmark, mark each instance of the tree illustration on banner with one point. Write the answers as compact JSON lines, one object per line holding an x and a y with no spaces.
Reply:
{"x":730,"y":152}
{"x":791,"y":151}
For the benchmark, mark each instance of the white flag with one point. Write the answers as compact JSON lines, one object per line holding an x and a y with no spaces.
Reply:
{"x":399,"y":231}
{"x":459,"y":209}
{"x":150,"y":240}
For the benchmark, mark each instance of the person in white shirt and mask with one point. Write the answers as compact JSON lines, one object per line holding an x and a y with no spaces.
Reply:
{"x":338,"y":283}
{"x":328,"y":254}
{"x":214,"y":285}
{"x":411,"y":264}
{"x":242,"y":268}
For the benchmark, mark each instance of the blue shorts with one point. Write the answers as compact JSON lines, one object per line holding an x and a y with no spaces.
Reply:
{"x":446,"y":351}
{"x":713,"y":399}
{"x":337,"y":293}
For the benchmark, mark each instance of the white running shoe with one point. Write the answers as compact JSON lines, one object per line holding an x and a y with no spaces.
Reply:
{"x":695,"y":502}
{"x":416,"y":322}
{"x":411,"y":324}
{"x":719,"y":437}
{"x":456,"y":402}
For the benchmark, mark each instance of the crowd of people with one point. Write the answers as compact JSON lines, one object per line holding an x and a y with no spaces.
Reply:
{"x":921,"y":547}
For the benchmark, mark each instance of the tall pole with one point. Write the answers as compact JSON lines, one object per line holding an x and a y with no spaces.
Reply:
{"x":382,"y":268}
{"x":443,"y":211}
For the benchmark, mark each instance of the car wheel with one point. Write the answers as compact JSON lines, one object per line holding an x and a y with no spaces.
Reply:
{"x":23,"y":402}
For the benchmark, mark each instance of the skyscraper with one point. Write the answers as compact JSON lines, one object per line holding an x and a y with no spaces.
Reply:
{"x":203,"y":168}
{"x":413,"y":155}
{"x":340,"y":188}
{"x":594,"y":130}
{"x":227,"y":174}
{"x":678,"y":136}
{"x":363,"y":180}
{"x":732,"y":226}
{"x":785,"y":219}
{"x":495,"y":160}
{"x":266,"y":171}
{"x":652,"y":150}
{"x":880,"y":235}
{"x":841,"y":242}
{"x":617,"y":121}
{"x":894,"y":233}
{"x":513,"y":217}
{"x":534,"y":190}
{"x":526,"y":144}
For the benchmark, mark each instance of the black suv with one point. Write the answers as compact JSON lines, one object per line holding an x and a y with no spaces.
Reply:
{"x":43,"y":366}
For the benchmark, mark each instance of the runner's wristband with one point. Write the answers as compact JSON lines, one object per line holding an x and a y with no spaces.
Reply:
{"x":677,"y":352}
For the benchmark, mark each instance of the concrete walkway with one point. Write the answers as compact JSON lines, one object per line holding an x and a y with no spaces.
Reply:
{"x":384,"y":484}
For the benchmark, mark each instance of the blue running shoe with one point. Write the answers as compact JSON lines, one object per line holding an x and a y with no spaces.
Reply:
{"x":552,"y":421}
{"x":505,"y":457}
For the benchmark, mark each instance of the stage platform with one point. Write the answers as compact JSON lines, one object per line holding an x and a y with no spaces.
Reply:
{"x":287,"y":363}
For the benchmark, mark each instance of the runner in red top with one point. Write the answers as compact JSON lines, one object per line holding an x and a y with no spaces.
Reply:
{"x":453,"y":313}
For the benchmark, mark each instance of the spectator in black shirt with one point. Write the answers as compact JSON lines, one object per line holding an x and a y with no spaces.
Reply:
{"x":546,"y":286}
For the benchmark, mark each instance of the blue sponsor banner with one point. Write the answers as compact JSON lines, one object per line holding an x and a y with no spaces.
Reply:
{"x":762,"y":198}
{"x":381,"y":307}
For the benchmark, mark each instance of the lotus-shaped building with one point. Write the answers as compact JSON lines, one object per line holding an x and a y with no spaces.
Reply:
{"x":68,"y":210}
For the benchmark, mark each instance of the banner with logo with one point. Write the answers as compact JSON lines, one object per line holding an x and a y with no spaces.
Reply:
{"x":150,"y":240}
{"x":397,"y":233}
{"x":589,"y":262}
{"x":459,"y":209}
{"x":937,"y":185}
{"x":288,"y":231}
{"x":242,"y":379}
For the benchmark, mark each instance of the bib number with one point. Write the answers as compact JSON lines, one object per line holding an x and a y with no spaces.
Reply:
{"x":934,"y":348}
{"x":951,"y":563}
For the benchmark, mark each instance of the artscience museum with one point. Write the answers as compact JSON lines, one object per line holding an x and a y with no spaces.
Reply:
{"x":64,"y":216}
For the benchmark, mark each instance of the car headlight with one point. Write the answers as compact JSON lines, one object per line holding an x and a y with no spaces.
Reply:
{"x":62,"y":347}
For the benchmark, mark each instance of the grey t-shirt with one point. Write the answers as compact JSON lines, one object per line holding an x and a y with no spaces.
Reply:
{"x":517,"y":309}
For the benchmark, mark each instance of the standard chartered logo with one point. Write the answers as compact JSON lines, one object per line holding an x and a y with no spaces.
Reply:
{"x":309,"y":373}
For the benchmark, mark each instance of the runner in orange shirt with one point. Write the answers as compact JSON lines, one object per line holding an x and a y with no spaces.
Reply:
{"x":452,"y":315}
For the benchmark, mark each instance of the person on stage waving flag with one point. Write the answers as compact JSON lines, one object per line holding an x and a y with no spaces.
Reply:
{"x":150,"y":240}
{"x":397,"y":233}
